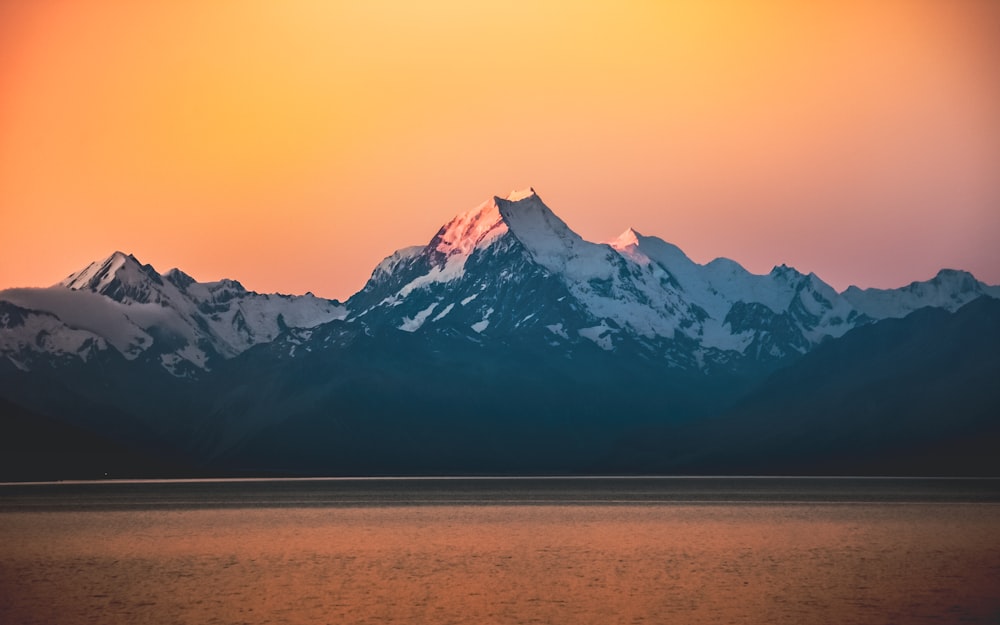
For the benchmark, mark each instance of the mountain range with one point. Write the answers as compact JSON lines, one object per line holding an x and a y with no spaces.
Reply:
{"x":506,"y":344}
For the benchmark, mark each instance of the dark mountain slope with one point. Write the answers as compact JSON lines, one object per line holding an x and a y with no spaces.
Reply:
{"x":35,"y":447}
{"x":912,"y":396}
{"x":402,"y":403}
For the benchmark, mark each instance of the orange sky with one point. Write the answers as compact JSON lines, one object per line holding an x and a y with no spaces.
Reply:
{"x":292,"y":145}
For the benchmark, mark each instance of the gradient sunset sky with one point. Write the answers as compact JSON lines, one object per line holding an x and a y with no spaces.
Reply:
{"x":292,"y":145}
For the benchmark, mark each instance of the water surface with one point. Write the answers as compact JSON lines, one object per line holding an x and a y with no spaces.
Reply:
{"x":501,"y":551}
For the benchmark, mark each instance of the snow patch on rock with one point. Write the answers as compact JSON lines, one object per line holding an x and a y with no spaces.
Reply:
{"x":414,"y":324}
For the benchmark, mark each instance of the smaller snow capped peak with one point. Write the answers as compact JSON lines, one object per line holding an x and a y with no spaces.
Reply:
{"x":955,"y":280}
{"x":98,"y":272}
{"x":179,"y":279}
{"x":119,"y":255}
{"x":952,"y":274}
{"x":118,"y":259}
{"x":226,"y":284}
{"x":625,"y":240}
{"x":120,"y":276}
{"x":784,"y":271}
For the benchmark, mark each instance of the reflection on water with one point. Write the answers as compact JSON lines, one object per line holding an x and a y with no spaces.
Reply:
{"x":677,"y":563}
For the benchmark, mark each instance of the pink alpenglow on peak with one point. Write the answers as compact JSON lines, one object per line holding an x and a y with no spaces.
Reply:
{"x":625,"y":240}
{"x":520,"y":210}
{"x":463,"y":233}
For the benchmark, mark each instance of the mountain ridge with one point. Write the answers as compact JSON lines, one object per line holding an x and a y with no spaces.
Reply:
{"x":506,"y":343}
{"x":873,"y":402}
{"x":171,"y":317}
{"x":471,"y":278}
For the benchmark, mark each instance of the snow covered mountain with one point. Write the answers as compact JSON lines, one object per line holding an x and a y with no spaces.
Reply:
{"x":507,"y":271}
{"x":119,"y":303}
{"x":506,"y":343}
{"x":950,"y":289}
{"x":510,"y":268}
{"x":27,"y":336}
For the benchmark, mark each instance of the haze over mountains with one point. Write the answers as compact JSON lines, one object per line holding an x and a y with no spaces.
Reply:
{"x":506,"y":344}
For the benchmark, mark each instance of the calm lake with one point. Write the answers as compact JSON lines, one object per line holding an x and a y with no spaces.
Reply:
{"x":542,"y":550}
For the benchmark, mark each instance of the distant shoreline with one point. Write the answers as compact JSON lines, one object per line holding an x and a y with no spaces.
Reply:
{"x":462,"y":491}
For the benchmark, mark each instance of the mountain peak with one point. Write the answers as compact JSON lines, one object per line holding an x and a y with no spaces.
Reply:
{"x":179,"y":279}
{"x":785,"y":271}
{"x":99,"y":272}
{"x":522,"y":212}
{"x":520,"y":194}
{"x":625,"y":240}
{"x":120,"y":276}
{"x":534,"y":223}
{"x":953,"y":274}
{"x":469,"y":229}
{"x":949,"y":289}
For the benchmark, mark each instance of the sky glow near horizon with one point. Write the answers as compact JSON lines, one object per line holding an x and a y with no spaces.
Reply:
{"x":293,"y":145}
